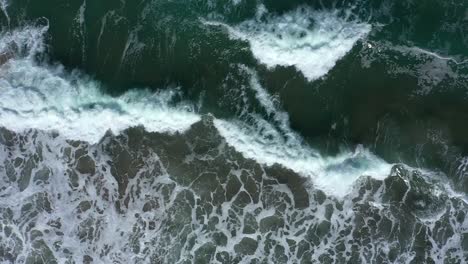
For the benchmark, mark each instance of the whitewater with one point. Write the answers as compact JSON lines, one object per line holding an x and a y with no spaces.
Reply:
{"x":147,"y":177}
{"x":323,"y":37}
{"x":44,"y":97}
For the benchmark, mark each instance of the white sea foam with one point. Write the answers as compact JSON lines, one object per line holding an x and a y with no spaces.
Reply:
{"x":275,"y":143}
{"x":311,"y":41}
{"x":38,"y":97}
{"x":83,"y":221}
{"x":431,"y":69}
{"x":433,"y":54}
{"x":48,"y":98}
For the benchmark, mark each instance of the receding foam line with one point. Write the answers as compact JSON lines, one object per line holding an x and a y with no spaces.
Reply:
{"x":311,"y":41}
{"x":433,"y":54}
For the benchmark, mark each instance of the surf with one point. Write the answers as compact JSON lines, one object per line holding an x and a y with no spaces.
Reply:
{"x":311,"y":41}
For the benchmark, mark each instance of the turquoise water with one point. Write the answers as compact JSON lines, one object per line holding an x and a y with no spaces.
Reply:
{"x":243,"y":131}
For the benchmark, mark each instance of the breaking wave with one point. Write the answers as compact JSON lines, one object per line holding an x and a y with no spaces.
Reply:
{"x":311,"y":41}
{"x":200,"y":188}
{"x":45,"y":97}
{"x":48,"y":98}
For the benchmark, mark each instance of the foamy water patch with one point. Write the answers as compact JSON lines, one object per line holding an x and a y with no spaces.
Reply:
{"x":36,"y":96}
{"x":274,"y":142}
{"x":311,"y":41}
{"x":334,"y":175}
{"x":33,"y":96}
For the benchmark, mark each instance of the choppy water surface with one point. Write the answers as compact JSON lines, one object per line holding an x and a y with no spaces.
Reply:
{"x":233,"y":132}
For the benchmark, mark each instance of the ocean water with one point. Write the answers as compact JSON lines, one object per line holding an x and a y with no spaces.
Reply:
{"x":243,"y":131}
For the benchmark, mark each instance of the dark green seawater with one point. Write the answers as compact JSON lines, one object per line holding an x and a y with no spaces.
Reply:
{"x":240,"y":131}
